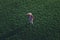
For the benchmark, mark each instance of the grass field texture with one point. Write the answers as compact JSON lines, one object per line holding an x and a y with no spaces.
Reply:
{"x":13,"y":20}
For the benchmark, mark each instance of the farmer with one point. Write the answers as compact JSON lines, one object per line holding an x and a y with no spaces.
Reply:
{"x":30,"y":18}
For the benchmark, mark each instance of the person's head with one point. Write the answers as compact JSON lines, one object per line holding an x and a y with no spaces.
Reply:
{"x":29,"y":13}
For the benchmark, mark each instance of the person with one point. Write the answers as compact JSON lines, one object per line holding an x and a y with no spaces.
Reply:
{"x":30,"y":18}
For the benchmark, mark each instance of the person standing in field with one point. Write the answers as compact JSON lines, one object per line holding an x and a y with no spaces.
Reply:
{"x":30,"y":18}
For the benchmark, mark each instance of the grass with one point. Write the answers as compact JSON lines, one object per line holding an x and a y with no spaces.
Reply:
{"x":13,"y":21}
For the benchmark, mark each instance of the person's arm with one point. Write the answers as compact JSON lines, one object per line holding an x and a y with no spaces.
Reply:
{"x":32,"y":16}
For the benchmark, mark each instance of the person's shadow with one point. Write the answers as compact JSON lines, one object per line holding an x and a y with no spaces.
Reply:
{"x":17,"y":31}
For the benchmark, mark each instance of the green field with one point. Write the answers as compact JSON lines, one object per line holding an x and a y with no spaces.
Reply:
{"x":13,"y":20}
